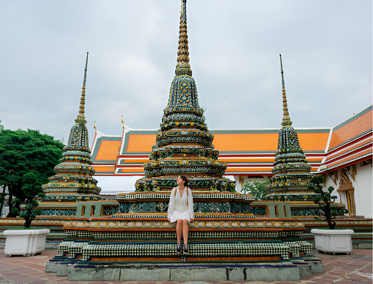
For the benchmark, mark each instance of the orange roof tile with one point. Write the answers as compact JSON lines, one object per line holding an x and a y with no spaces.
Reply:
{"x":360,"y":154}
{"x":351,"y":128}
{"x":108,"y":150}
{"x":313,"y":141}
{"x":140,"y":143}
{"x":104,"y":169}
{"x":261,"y":142}
{"x":350,"y":148}
{"x":237,"y":142}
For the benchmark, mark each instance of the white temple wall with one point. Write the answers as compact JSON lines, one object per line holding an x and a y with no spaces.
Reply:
{"x":329,"y":182}
{"x":238,"y":183}
{"x":363,"y":190}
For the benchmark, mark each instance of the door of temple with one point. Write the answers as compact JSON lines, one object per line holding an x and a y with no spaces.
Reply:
{"x":345,"y":185}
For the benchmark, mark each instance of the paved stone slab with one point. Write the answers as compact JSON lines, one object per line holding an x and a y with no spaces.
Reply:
{"x":93,"y":274}
{"x":196,"y":282}
{"x":272,"y":274}
{"x":62,"y":270}
{"x":144,"y":274}
{"x":51,"y":267}
{"x":305,"y":269}
{"x":206,"y":274}
{"x":236,"y":274}
{"x":12,"y":269}
{"x":317,"y":267}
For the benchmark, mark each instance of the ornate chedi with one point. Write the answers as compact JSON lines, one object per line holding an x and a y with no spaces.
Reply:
{"x":291,"y":171}
{"x":229,"y":227}
{"x":184,"y":144}
{"x":73,"y":180}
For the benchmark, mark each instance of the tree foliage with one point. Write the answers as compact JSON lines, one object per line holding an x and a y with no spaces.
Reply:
{"x":325,"y":200}
{"x":256,"y":188}
{"x":27,"y":159}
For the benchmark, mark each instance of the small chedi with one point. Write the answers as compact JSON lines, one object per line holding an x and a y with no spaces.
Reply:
{"x":73,"y":180}
{"x":291,"y":171}
{"x":229,"y":227}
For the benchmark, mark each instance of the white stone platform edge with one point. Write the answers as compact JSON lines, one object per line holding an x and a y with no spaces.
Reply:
{"x":182,"y":272}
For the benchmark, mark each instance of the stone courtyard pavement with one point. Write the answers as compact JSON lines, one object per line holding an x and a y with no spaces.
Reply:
{"x":341,"y":269}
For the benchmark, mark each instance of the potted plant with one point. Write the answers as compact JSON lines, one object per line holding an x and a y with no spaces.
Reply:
{"x":329,"y":240}
{"x":27,"y":241}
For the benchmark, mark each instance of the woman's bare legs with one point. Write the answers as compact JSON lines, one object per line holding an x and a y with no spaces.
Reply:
{"x":179,"y":228}
{"x":185,"y":231}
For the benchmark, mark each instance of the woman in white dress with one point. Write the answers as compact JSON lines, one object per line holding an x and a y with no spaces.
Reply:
{"x":180,"y":210}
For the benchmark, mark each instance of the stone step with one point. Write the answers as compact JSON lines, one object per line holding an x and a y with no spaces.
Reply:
{"x":178,"y":272}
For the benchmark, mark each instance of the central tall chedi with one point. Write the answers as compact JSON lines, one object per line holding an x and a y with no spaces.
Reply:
{"x":184,"y":144}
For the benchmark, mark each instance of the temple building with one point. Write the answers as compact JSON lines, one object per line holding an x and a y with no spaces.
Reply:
{"x":343,"y":154}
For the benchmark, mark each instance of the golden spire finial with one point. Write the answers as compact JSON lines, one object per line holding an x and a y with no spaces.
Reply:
{"x":183,"y":66}
{"x":121,"y":120}
{"x":81,"y":117}
{"x":286,"y":119}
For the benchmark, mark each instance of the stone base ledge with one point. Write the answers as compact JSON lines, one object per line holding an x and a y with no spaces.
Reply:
{"x":180,"y":272}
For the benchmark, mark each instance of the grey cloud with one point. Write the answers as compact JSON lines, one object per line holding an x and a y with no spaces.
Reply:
{"x":234,"y":47}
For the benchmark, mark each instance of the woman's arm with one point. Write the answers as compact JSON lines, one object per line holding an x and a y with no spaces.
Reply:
{"x":171,"y":204}
{"x":190,"y":205}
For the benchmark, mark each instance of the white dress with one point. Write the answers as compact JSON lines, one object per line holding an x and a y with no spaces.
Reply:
{"x":180,"y":207}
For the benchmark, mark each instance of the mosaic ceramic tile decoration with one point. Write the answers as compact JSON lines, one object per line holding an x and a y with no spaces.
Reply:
{"x":291,"y":171}
{"x":183,"y":142}
{"x":228,"y":226}
{"x":73,"y":180}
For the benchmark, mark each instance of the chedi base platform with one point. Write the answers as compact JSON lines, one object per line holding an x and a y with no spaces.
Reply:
{"x":233,"y":237}
{"x":221,"y":247}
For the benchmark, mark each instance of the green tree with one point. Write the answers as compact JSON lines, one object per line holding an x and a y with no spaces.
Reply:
{"x":325,"y":200}
{"x":256,"y":188}
{"x":27,"y":159}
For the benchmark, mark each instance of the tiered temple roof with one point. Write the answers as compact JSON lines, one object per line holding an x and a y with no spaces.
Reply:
{"x":246,"y":152}
{"x":350,"y":142}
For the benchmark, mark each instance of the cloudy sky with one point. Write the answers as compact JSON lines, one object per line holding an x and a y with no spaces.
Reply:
{"x":234,"y":46}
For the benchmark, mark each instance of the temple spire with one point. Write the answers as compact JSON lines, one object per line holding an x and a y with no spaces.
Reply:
{"x":286,"y":119}
{"x":183,"y":66}
{"x":81,"y":117}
